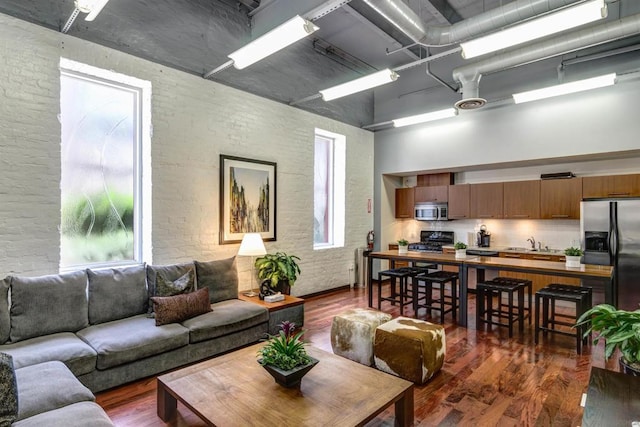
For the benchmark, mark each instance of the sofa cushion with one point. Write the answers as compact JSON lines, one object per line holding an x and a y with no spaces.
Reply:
{"x":181,"y":307}
{"x":227,"y":317}
{"x":48,"y":386}
{"x":5,"y":323}
{"x":221,"y":277}
{"x":65,"y":347}
{"x":133,"y":338}
{"x":116,"y":293}
{"x":48,"y":304}
{"x":170,"y":273}
{"x":8,"y":391}
{"x":81,"y":414}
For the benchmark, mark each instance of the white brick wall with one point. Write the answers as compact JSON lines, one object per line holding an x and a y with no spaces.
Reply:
{"x":194,"y":121}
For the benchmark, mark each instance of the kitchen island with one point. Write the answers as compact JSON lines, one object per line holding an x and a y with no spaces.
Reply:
{"x":602,"y":273}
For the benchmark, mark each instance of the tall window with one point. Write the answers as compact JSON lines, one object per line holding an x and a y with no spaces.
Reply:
{"x":329,"y":190}
{"x":104,"y":153}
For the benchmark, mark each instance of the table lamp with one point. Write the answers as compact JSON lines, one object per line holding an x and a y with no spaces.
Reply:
{"x":252,"y":246}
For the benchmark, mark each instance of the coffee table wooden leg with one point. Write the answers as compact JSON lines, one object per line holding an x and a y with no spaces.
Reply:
{"x":167,"y":404}
{"x":404,"y":409}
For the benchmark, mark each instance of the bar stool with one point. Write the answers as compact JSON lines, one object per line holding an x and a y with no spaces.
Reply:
{"x":548,"y":296}
{"x":485,"y":312}
{"x":527,"y":287}
{"x":438,"y":280}
{"x":402,"y":297}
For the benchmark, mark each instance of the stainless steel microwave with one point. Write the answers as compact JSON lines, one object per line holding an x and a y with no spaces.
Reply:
{"x":431,"y":212}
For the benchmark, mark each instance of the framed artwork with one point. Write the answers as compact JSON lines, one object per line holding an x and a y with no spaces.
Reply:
{"x":247,"y":199}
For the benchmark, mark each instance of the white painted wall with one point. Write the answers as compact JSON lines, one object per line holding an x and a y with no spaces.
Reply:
{"x":194,"y":121}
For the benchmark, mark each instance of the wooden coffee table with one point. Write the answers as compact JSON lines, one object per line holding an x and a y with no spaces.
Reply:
{"x":234,"y":389}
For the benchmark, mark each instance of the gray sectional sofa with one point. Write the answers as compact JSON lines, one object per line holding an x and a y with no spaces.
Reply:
{"x":98,"y":323}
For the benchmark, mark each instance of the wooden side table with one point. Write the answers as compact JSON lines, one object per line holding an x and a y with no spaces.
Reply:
{"x":291,"y":309}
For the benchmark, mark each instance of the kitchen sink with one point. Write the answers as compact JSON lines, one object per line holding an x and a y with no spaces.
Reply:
{"x":517,"y":249}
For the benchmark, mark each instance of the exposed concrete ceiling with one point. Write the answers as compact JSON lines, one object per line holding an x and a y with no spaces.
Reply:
{"x":197,"y":35}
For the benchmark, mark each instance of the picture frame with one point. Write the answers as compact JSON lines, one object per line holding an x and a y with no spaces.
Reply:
{"x":247,"y":198}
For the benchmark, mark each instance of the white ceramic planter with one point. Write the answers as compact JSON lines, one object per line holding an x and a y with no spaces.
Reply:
{"x":461,"y":253}
{"x":572,"y":261}
{"x":403,"y":249}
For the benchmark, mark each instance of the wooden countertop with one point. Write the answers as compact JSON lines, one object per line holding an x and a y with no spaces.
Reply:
{"x":417,"y":257}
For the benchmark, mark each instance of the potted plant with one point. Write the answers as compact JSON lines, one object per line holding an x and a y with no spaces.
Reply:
{"x":620,"y":329}
{"x":461,"y":250}
{"x":285,"y":357}
{"x":280,"y":269}
{"x":403,"y":246}
{"x":572,"y":256}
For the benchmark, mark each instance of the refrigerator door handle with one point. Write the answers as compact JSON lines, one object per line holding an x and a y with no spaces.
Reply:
{"x":613,"y":232}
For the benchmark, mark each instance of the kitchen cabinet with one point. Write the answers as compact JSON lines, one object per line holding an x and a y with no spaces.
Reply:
{"x":438,"y":193}
{"x":486,"y":200}
{"x":560,"y":198}
{"x":404,"y":202}
{"x":611,"y":186}
{"x":521,"y":200}
{"x":459,"y":201}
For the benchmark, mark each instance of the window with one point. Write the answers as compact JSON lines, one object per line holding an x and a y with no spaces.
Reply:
{"x":329,"y":190}
{"x":105,"y":161}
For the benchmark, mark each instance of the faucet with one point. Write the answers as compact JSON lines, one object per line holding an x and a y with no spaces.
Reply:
{"x":533,"y":243}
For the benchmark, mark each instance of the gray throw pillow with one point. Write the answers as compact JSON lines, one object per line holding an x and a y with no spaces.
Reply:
{"x":48,"y":304}
{"x":116,"y":293}
{"x":170,"y":272}
{"x":8,"y":391}
{"x":5,"y":322}
{"x":220,"y":276}
{"x":182,"y":285}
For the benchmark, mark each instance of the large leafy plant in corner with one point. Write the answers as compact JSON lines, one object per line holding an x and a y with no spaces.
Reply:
{"x":277,"y":268}
{"x":619,"y":328}
{"x":285,"y":350}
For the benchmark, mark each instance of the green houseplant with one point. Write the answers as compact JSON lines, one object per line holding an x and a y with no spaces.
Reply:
{"x":403,"y":246}
{"x":461,"y":249}
{"x":285,"y":357}
{"x":572,"y":256}
{"x":280,"y":269}
{"x":620,"y":329}
{"x":573,"y":251}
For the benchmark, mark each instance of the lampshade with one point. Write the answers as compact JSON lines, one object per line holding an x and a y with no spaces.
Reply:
{"x":92,"y":7}
{"x":363,"y":83}
{"x":280,"y":37}
{"x":566,"y":88}
{"x":546,"y":25}
{"x":252,"y":245}
{"x":427,"y":117}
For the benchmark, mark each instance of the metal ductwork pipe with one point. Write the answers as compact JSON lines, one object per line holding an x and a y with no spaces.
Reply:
{"x":407,"y":21}
{"x":469,"y":75}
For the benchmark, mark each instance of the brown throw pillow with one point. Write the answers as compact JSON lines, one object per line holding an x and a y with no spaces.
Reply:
{"x":181,"y":307}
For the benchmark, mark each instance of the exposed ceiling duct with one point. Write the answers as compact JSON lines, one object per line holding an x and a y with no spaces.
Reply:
{"x":407,"y":21}
{"x":469,"y":75}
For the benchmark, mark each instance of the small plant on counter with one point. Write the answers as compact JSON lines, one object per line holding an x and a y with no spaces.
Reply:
{"x":459,"y":245}
{"x":403,"y":242}
{"x":573,"y":251}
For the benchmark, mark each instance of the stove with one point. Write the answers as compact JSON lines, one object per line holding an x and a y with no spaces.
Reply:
{"x":432,"y":241}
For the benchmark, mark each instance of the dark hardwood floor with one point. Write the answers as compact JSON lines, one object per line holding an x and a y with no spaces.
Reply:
{"x":487,"y":379}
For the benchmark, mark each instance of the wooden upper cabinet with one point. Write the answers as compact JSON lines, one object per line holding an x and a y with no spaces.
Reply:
{"x":611,"y":186}
{"x":435,"y":179}
{"x":459,"y":201}
{"x":438,"y":193}
{"x":560,"y":198}
{"x":404,"y":202}
{"x":485,"y":200}
{"x":522,"y":200}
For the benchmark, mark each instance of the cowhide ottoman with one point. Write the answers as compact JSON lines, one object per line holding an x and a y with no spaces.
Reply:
{"x":352,"y":333}
{"x":409,"y":348}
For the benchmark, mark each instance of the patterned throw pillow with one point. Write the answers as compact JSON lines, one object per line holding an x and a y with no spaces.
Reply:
{"x":8,"y":391}
{"x":181,"y":307}
{"x":167,"y":288}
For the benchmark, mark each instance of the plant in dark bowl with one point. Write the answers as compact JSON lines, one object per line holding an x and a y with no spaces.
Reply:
{"x":285,"y":357}
{"x":280,"y":269}
{"x":620,"y":330}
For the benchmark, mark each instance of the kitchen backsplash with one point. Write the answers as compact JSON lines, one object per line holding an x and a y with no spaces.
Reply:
{"x":556,"y":234}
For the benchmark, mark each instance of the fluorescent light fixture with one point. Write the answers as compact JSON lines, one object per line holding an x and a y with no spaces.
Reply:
{"x":92,"y":7}
{"x":280,"y":37}
{"x":546,"y":25}
{"x":358,"y":85}
{"x":566,"y":88}
{"x":427,"y":117}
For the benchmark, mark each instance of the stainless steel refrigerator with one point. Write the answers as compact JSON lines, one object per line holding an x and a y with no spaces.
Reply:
{"x":610,"y":235}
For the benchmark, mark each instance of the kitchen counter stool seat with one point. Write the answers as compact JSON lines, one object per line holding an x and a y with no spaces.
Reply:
{"x":485,"y":312}
{"x":401,"y":297}
{"x":546,"y":299}
{"x":423,"y":291}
